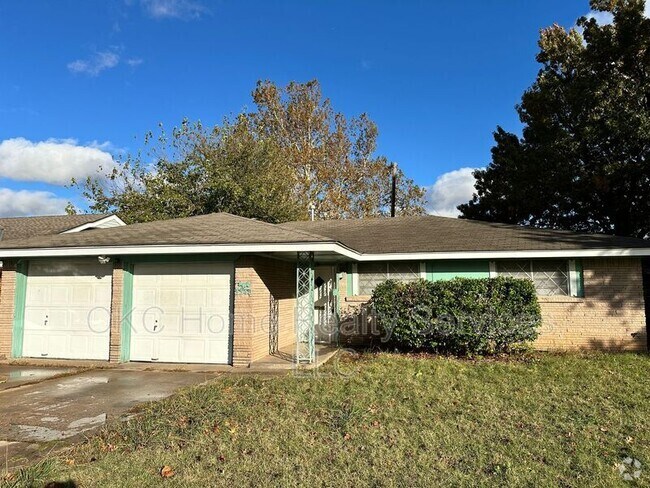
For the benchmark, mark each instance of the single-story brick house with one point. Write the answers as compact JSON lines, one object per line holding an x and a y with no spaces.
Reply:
{"x":223,"y":289}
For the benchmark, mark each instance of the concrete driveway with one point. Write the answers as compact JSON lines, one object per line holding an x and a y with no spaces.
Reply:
{"x":40,"y":411}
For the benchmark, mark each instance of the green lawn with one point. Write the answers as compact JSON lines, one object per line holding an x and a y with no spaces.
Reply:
{"x":391,"y":420}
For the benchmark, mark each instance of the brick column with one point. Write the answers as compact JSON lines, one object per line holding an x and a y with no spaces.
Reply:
{"x":242,"y":313}
{"x":7,"y":307}
{"x":116,"y":312}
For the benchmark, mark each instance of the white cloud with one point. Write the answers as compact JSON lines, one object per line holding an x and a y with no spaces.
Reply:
{"x":174,"y":9}
{"x":450,"y":190}
{"x":19,"y":203}
{"x":605,"y":18}
{"x":94,"y":65}
{"x":134,"y":62}
{"x":54,"y":161}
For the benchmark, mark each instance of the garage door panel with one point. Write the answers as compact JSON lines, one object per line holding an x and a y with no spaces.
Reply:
{"x":171,"y":323}
{"x":34,"y":345}
{"x":197,"y":297}
{"x":34,"y":318}
{"x":171,"y":297}
{"x":38,"y":294}
{"x":58,"y":319}
{"x":187,"y":296}
{"x":102,"y":294}
{"x":218,"y":348}
{"x":143,"y":297}
{"x":99,"y":320}
{"x":193,"y":350}
{"x":67,"y":306}
{"x":59,"y":295}
{"x":217,"y":322}
{"x":144,"y":346}
{"x":169,"y":350}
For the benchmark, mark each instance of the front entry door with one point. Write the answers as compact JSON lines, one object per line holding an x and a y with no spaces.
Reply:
{"x":326,"y":331}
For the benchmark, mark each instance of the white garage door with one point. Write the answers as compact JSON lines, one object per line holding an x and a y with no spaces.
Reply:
{"x":181,"y":312}
{"x":67,"y":309}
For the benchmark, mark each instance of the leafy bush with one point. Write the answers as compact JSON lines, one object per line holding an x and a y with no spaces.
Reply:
{"x":460,"y":316}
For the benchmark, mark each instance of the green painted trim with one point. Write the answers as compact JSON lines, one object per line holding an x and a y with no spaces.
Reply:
{"x":127,"y":309}
{"x":20,"y":294}
{"x":337,"y":305}
{"x":348,"y":284}
{"x":580,"y":292}
{"x":447,"y":270}
{"x":179,"y":258}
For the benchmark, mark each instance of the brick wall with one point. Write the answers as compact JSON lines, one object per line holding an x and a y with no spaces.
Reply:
{"x":7,"y":307}
{"x":116,"y":312}
{"x":267,"y":277}
{"x":611,"y":316}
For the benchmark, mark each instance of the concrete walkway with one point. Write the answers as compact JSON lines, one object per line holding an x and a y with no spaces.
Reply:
{"x":36,"y":418}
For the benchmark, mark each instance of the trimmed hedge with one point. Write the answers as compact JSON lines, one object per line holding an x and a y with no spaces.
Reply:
{"x":460,"y":316}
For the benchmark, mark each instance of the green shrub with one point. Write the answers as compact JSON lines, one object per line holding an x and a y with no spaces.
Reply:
{"x":460,"y":316}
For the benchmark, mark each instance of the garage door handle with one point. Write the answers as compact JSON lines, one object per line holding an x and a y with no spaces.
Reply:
{"x":45,"y":321}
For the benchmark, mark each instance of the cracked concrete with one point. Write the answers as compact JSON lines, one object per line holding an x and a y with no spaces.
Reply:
{"x":56,"y":411}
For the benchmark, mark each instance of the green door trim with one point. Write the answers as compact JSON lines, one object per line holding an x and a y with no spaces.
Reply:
{"x":127,"y":309}
{"x":20,"y":294}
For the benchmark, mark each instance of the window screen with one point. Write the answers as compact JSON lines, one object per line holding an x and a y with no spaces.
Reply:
{"x":551,"y":277}
{"x":371,"y":274}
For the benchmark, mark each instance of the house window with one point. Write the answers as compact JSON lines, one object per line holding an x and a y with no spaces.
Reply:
{"x":372,"y":273}
{"x":550,"y":277}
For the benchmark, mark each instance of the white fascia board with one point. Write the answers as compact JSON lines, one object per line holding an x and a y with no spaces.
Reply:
{"x":178,"y":249}
{"x":315,"y":247}
{"x":569,"y":253}
{"x":92,"y":225}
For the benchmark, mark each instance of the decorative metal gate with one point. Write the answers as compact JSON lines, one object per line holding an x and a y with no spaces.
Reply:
{"x":274,"y":324}
{"x":305,"y":347}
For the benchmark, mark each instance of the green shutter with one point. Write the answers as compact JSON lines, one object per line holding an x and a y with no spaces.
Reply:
{"x":447,"y":270}
{"x":20,"y":294}
{"x":580,"y":291}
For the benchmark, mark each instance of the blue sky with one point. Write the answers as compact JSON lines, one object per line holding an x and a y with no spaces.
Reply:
{"x":83,"y":80}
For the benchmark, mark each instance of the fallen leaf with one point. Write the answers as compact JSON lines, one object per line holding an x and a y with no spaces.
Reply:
{"x":167,"y":472}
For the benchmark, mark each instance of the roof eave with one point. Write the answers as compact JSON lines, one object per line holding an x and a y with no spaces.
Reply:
{"x":138,"y":250}
{"x":331,"y":246}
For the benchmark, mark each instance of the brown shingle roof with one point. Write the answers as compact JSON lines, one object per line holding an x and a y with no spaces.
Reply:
{"x":443,"y":234}
{"x":368,"y":236}
{"x":216,"y":228}
{"x":25,"y":227}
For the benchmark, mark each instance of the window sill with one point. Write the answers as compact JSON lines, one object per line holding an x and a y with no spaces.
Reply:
{"x":560,"y":299}
{"x":358,"y":299}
